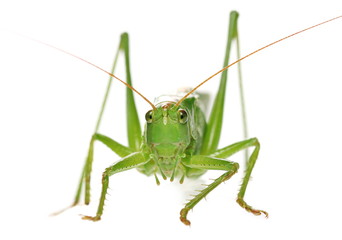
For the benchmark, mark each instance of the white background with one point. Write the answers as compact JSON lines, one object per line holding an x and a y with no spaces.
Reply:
{"x":49,"y":104}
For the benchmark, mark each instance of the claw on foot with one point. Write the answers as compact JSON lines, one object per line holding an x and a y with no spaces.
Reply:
{"x":248,"y":208}
{"x":94,"y":219}
{"x":183,"y":214}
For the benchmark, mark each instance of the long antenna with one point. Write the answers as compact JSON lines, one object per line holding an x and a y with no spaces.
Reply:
{"x":250,"y":54}
{"x":90,"y":63}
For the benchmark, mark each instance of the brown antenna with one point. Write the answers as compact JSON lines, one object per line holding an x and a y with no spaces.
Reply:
{"x":250,"y":54}
{"x":92,"y":64}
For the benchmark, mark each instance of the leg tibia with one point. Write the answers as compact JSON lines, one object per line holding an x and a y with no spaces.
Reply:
{"x":207,"y":163}
{"x":234,"y":148}
{"x":129,"y":162}
{"x":116,"y":147}
{"x":191,"y":204}
{"x":105,"y":182}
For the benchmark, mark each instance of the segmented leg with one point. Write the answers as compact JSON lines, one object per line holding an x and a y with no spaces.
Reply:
{"x":116,"y":147}
{"x":213,"y":130}
{"x":129,"y":162}
{"x":207,"y":163}
{"x":215,"y":162}
{"x":236,"y":147}
{"x":133,"y":126}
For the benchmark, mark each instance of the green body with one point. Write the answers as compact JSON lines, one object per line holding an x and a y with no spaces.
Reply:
{"x":176,"y":142}
{"x":167,"y":141}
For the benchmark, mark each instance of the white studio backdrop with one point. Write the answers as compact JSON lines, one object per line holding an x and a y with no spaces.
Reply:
{"x":50,"y":101}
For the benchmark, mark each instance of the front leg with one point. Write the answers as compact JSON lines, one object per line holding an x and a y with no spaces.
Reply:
{"x":131,"y":161}
{"x":215,"y":161}
{"x":207,"y":163}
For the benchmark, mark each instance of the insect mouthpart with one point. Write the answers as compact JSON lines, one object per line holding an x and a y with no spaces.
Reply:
{"x":167,"y":150}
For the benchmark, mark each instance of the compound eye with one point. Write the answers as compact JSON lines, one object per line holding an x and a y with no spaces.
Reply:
{"x":149,"y":116}
{"x":182,"y":116}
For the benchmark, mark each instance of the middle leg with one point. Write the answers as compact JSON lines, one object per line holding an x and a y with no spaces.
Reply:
{"x":234,"y":148}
